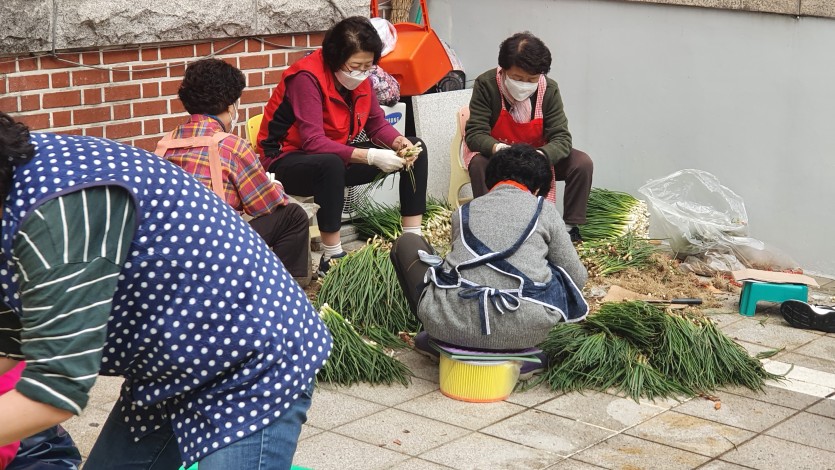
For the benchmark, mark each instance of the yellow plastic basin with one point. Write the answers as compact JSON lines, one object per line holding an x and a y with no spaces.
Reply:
{"x":478,"y":381}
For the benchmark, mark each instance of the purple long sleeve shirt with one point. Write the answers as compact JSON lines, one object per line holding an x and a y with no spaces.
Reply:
{"x":305,"y":97}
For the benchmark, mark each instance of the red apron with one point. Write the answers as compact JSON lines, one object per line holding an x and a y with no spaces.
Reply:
{"x":510,"y":132}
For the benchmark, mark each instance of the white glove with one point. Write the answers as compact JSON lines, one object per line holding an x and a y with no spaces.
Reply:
{"x":500,"y":146}
{"x":384,"y":159}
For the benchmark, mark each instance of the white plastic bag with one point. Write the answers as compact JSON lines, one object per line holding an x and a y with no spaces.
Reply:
{"x":386,"y":32}
{"x":696,"y":215}
{"x":694,"y":212}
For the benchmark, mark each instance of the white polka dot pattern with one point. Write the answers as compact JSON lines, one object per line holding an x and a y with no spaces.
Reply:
{"x":209,"y":329}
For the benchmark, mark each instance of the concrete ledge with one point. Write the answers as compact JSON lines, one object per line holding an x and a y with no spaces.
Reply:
{"x":79,"y":24}
{"x":821,"y":8}
{"x":785,"y":7}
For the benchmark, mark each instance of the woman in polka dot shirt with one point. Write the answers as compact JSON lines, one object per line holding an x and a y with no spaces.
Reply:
{"x":116,"y":262}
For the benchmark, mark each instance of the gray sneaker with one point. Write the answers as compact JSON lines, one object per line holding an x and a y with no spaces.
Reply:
{"x":812,"y":317}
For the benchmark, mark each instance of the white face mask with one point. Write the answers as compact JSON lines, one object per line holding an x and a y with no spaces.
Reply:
{"x":352,"y":79}
{"x":234,"y":115}
{"x":520,"y":90}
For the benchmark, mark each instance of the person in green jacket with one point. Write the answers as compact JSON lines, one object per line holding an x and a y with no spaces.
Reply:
{"x":517,"y":103}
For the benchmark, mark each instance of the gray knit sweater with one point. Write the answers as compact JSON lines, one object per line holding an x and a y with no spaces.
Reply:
{"x":498,"y":219}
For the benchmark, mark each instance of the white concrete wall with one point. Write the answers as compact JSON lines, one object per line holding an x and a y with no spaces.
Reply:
{"x":651,"y":89}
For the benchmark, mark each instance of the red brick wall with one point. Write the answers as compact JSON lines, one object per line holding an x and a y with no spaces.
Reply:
{"x":134,"y":100}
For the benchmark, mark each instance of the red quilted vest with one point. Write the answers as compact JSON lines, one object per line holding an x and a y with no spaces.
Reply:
{"x":335,"y":112}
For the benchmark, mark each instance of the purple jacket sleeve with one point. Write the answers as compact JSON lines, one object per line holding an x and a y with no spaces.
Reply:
{"x":306,"y":100}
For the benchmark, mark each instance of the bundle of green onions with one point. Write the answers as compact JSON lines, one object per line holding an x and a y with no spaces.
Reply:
{"x":643,"y":351}
{"x":437,"y":225}
{"x":375,"y":219}
{"x":611,"y":214}
{"x":407,"y":154}
{"x":611,"y":255}
{"x":355,"y":359}
{"x":364,"y":287}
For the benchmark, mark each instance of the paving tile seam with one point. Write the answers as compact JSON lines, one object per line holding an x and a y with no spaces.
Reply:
{"x":803,"y":410}
{"x":576,"y":420}
{"x":734,"y":446}
{"x":562,"y":457}
{"x":797,"y":376}
{"x":617,"y":433}
{"x":799,"y":443}
{"x":402,"y":451}
{"x":716,"y":459}
{"x":764,"y":391}
{"x":763,"y":432}
{"x":648,"y":441}
{"x":557,"y":465}
{"x":468,"y":432}
{"x":513,"y":415}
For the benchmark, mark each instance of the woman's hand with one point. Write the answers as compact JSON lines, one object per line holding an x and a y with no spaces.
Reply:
{"x":406,"y":150}
{"x":499,"y":146}
{"x":400,"y":143}
{"x":384,"y":159}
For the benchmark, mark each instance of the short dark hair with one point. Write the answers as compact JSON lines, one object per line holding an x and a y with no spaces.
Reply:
{"x":15,"y":149}
{"x":520,"y":163}
{"x":346,"y":38}
{"x":210,"y":86}
{"x":525,"y":51}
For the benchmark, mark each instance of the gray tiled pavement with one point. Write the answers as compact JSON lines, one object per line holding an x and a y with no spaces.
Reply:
{"x":790,"y":425}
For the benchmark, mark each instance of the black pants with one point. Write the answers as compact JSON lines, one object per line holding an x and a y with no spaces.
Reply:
{"x":576,"y":170}
{"x":325,"y":177}
{"x":408,"y":266}
{"x":287,"y":232}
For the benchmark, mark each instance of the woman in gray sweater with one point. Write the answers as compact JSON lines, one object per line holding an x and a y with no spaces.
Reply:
{"x":512,"y":273}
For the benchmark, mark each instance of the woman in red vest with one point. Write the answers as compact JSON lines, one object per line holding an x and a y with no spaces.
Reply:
{"x":323,"y":130}
{"x":517,"y":103}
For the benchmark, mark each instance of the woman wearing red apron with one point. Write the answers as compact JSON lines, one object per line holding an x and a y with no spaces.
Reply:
{"x":517,"y":103}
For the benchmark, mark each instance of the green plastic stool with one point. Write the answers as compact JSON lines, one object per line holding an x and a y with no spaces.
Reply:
{"x":753,"y":292}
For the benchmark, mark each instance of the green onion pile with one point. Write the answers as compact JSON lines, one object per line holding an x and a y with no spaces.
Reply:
{"x":437,"y":225}
{"x":354,"y":359}
{"x":612,"y":255}
{"x":612,"y":214}
{"x":364,"y":287}
{"x":643,"y":351}
{"x":375,"y":219}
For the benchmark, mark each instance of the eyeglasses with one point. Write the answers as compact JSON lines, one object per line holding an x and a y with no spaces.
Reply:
{"x":358,"y":72}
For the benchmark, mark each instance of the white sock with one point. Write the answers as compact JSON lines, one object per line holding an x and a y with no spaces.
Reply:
{"x":568,"y":227}
{"x":331,"y":251}
{"x":415,"y":230}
